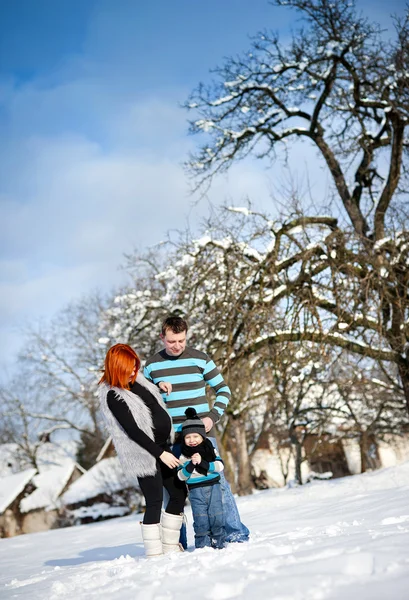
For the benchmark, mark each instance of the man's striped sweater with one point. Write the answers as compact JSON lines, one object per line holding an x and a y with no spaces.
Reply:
{"x":189,"y":373}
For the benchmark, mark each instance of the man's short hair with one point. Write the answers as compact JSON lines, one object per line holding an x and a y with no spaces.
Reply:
{"x":175,"y":324}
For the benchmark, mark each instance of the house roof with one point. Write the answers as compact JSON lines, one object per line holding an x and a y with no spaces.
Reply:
{"x":56,"y":463}
{"x":49,"y":485}
{"x":12,"y":485}
{"x":106,"y":476}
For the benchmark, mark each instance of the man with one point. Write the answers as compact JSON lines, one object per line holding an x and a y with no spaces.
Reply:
{"x":182,"y":373}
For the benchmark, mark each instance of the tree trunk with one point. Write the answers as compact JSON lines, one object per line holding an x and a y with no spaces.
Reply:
{"x":364,"y":447}
{"x":298,"y":461}
{"x":244,"y":479}
{"x":226,"y":455}
{"x":298,"y":457}
{"x":404,"y":377}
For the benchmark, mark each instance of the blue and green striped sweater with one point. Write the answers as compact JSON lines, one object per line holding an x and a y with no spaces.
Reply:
{"x":189,"y":373}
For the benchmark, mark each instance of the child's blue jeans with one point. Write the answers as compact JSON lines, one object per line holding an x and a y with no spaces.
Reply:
{"x":208,"y":516}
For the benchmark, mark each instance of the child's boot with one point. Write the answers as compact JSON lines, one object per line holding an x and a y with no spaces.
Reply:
{"x":171,"y":525}
{"x":151,"y":535}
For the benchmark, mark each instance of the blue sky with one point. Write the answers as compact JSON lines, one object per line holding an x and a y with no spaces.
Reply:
{"x":92,"y":137}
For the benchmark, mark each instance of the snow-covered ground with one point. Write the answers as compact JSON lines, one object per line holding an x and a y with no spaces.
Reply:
{"x":345,"y":539}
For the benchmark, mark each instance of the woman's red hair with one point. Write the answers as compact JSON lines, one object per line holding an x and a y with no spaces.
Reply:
{"x":119,"y":364}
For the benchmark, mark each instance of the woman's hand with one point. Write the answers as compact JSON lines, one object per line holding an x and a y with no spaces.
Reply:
{"x":165,"y":386}
{"x":169,"y":459}
{"x":196,"y":459}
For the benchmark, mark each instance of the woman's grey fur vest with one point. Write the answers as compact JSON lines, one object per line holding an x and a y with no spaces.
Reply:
{"x":135,"y":460}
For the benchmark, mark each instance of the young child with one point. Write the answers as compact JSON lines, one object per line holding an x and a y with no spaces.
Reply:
{"x":200,"y":468}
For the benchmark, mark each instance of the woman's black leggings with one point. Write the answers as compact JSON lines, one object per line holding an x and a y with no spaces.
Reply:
{"x":152,"y":488}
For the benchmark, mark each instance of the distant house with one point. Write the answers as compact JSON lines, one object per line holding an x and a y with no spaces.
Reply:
{"x":13,"y":489}
{"x":103,"y":492}
{"x":391,"y":451}
{"x":60,"y":492}
{"x":326,"y":454}
{"x":273,"y":462}
{"x":40,"y":509}
{"x":29,"y":496}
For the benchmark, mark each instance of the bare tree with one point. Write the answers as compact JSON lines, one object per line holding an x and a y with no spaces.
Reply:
{"x":136,"y":312}
{"x":62,"y":361}
{"x":301,"y":400}
{"x":21,"y":424}
{"x":373,"y":404}
{"x":344,"y":89}
{"x":338,"y":85}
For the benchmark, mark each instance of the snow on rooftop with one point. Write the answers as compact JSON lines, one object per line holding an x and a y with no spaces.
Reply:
{"x":49,"y":483}
{"x":12,"y":485}
{"x":104,"y":477}
{"x":55,"y":462}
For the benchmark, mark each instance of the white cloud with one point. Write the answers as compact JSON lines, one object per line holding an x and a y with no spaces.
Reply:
{"x":73,"y":208}
{"x":89,"y":172}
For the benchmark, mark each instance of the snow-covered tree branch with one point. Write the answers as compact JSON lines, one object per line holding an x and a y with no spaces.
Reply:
{"x":338,"y":84}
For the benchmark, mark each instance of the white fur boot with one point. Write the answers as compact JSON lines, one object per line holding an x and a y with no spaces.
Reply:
{"x":171,"y":525}
{"x":152,"y":540}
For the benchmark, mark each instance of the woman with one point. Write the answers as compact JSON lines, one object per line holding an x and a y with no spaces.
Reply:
{"x":141,"y":430}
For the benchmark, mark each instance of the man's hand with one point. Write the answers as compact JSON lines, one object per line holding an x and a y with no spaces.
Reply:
{"x":208,"y":423}
{"x":165,"y":386}
{"x":169,"y":460}
{"x":196,"y":459}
